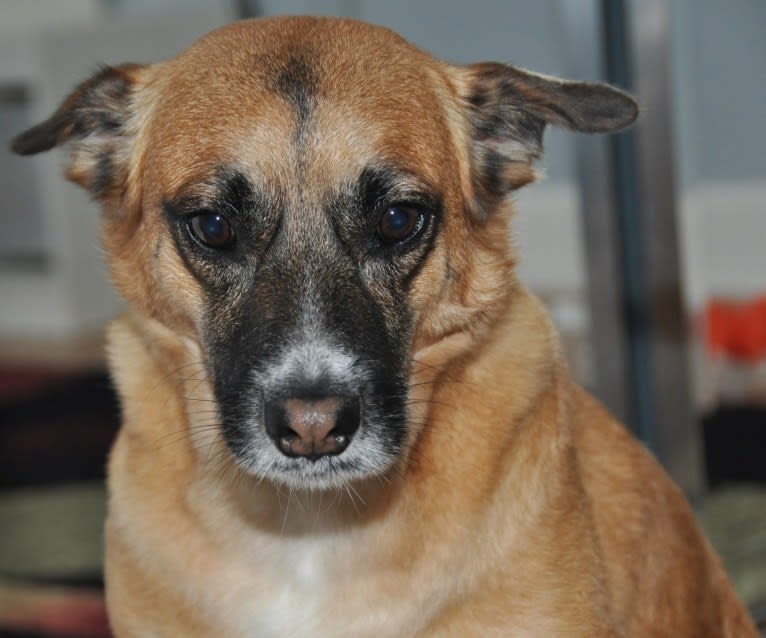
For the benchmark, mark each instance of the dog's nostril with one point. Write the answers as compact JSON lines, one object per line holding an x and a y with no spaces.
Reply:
{"x":312,"y":427}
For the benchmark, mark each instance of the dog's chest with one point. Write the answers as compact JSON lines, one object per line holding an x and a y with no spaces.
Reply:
{"x":310,"y":589}
{"x":301,"y":576}
{"x":298,"y":585}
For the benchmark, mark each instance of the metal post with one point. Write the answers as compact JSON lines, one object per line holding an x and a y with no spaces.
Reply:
{"x":676,"y":438}
{"x":638,"y":327}
{"x":596,"y":173}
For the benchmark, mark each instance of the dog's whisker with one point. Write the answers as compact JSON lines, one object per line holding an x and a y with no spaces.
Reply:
{"x":356,"y":493}
{"x":170,"y":441}
{"x":161,"y":383}
{"x":432,"y":402}
{"x":347,"y":488}
{"x":172,"y":375}
{"x":187,"y":431}
{"x":286,"y":512}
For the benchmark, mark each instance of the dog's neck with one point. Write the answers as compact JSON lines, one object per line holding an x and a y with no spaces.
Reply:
{"x":188,"y":440}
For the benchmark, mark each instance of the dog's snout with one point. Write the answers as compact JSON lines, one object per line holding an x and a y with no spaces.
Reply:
{"x":312,"y":428}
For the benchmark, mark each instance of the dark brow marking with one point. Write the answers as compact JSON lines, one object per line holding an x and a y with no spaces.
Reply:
{"x":297,"y":82}
{"x":228,"y":189}
{"x":386,"y":184}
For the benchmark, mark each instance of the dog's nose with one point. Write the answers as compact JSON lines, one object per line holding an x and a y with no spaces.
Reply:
{"x":312,"y":427}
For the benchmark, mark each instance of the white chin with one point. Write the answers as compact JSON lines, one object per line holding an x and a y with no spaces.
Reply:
{"x":326,"y":473}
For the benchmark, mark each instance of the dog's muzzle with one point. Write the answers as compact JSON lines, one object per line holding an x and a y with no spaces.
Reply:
{"x":314,"y":415}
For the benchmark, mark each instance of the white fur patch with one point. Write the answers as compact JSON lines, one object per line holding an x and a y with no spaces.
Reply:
{"x":309,"y":361}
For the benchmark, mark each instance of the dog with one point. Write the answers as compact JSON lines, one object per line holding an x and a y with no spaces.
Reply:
{"x":343,"y":415}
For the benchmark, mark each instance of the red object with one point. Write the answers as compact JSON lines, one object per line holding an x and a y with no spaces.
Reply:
{"x":737,"y":329}
{"x":53,"y":611}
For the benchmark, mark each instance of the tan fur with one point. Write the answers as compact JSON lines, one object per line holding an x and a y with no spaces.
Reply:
{"x":520,"y":508}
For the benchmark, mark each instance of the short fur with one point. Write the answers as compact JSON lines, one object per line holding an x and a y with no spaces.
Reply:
{"x":484,"y":494}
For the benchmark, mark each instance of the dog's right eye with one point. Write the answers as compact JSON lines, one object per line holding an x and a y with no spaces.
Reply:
{"x":212,"y":229}
{"x":399,"y":223}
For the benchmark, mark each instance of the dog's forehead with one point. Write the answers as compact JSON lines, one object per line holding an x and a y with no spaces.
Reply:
{"x":312,"y":98}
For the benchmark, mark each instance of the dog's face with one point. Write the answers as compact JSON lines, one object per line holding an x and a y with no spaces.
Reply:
{"x":316,"y":206}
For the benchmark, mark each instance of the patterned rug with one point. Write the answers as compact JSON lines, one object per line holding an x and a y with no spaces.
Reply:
{"x":55,"y":431}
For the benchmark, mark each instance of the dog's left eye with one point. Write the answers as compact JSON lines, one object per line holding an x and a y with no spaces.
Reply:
{"x":399,"y":223}
{"x":212,"y":229}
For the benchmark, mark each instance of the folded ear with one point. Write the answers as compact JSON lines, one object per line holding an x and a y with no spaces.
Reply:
{"x":507,"y":112}
{"x":93,"y":122}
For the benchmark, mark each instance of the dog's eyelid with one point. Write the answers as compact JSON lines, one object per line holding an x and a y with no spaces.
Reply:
{"x":198,"y":197}
{"x":386,"y":184}
{"x":414,"y":195}
{"x":393,"y":200}
{"x":415,"y":192}
{"x":186,"y":206}
{"x":412,"y":191}
{"x":413,"y":199}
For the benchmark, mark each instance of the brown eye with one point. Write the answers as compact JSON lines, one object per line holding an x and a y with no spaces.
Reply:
{"x":212,"y":229}
{"x":399,"y":223}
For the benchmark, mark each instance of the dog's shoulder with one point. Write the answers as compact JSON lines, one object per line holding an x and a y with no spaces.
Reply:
{"x":639,"y":512}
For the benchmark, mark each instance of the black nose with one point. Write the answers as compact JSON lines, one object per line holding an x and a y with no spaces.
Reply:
{"x":312,"y":428}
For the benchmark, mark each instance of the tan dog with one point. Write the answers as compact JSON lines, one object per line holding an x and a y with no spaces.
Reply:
{"x":343,"y":415}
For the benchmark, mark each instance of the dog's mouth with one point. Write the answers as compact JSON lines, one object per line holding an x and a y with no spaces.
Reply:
{"x":361,"y":461}
{"x":317,"y":418}
{"x":310,"y":453}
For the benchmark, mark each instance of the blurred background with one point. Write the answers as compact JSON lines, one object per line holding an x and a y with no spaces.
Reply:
{"x":648,"y":248}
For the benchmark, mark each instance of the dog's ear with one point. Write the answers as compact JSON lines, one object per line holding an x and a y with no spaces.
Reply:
{"x":507,"y":112}
{"x":93,"y":123}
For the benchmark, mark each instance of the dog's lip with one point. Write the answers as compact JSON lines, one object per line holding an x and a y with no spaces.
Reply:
{"x":360,"y":461}
{"x":324,"y":473}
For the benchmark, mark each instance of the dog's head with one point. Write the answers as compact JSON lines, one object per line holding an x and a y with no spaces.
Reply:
{"x":317,"y":205}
